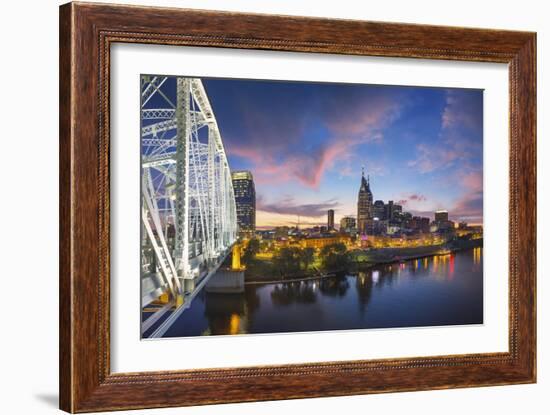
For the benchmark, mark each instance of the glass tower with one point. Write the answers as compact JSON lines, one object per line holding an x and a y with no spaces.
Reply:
{"x":245,"y":201}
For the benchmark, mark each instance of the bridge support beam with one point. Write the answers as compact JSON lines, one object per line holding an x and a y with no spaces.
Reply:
{"x":188,"y":209}
{"x":182,"y":178}
{"x":236,"y":257}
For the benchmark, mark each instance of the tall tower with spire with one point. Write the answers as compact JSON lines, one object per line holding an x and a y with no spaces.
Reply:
{"x":365,"y":208}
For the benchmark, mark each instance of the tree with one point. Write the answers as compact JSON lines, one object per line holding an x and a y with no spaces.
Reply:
{"x":334,"y":257}
{"x":307,"y":255}
{"x":287,"y":260}
{"x":252,"y":248}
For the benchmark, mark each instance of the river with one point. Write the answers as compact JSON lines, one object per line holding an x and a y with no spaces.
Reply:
{"x":435,"y":291}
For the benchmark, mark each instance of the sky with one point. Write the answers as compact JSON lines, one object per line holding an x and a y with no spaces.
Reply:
{"x":305,"y":144}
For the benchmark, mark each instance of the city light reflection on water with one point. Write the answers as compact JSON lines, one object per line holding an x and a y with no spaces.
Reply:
{"x":234,"y":323}
{"x":477,"y":255}
{"x":439,"y":290}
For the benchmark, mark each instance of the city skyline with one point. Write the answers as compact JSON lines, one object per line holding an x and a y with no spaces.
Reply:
{"x":243,"y":184}
{"x":305,"y":144}
{"x":224,"y":184}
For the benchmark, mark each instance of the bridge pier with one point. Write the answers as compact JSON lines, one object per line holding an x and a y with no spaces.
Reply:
{"x":236,"y":258}
{"x":226,"y":281}
{"x":229,"y":280}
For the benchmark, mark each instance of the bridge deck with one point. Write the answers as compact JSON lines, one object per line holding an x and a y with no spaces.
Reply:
{"x":172,"y":314}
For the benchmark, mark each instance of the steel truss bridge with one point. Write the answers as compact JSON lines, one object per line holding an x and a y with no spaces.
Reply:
{"x":188,"y":214}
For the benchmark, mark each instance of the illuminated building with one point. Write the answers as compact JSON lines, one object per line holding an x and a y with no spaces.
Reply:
{"x":245,"y":201}
{"x":379,"y":211}
{"x":364,"y":207}
{"x":401,"y":218}
{"x":318,"y":243}
{"x":442,"y":221}
{"x":445,"y":226}
{"x":388,"y":210}
{"x":330,"y":219}
{"x":379,"y":226}
{"x":392,"y":229}
{"x":348,"y":224}
{"x":425,"y":225}
{"x":397,"y":210}
{"x":420,"y":224}
{"x":441,"y":216}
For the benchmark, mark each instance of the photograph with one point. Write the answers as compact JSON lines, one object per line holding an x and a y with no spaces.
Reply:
{"x":272,"y":206}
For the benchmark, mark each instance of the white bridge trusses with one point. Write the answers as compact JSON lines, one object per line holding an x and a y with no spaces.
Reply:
{"x":188,"y":205}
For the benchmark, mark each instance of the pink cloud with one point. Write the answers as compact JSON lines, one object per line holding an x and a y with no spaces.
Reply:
{"x":430,"y":158}
{"x":289,"y":206}
{"x":274,"y":163}
{"x":469,"y":207}
{"x":364,"y":118}
{"x":472,"y":181}
{"x":306,"y":168}
{"x":414,"y":202}
{"x":268,"y":170}
{"x":418,"y":197}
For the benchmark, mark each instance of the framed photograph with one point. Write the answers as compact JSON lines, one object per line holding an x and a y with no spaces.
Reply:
{"x":258,"y":207}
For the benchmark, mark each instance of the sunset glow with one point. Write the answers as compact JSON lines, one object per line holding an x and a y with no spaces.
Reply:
{"x":305,"y":144}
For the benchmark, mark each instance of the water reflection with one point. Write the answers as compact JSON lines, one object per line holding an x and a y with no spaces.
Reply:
{"x":335,"y":286}
{"x":303,"y":292}
{"x":224,"y":313}
{"x":477,"y":255}
{"x":440,"y":290}
{"x":363,"y":286}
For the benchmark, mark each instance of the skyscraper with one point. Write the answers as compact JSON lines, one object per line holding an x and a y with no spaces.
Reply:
{"x":388,"y":210}
{"x":441,"y":216}
{"x":364,"y":207}
{"x":245,"y":201}
{"x":378,"y":210}
{"x":330,"y":219}
{"x":348,"y":224}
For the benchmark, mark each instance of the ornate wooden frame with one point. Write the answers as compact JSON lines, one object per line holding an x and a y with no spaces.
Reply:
{"x":86,"y":33}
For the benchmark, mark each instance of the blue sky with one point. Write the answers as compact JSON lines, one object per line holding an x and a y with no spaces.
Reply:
{"x":305,"y":144}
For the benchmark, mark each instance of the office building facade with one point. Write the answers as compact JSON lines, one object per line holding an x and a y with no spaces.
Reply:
{"x":330,"y":219}
{"x":245,"y":201}
{"x":364,"y":207}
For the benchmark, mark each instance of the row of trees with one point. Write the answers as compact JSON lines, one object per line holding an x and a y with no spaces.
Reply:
{"x":251,"y":250}
{"x":293,"y":260}
{"x":335,"y":257}
{"x":296,"y":260}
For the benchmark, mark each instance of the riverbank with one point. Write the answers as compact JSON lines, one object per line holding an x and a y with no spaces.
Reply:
{"x":306,"y":277}
{"x":361,"y":260}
